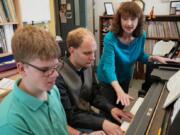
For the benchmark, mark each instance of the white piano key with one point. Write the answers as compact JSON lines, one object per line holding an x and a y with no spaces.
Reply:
{"x":134,"y":109}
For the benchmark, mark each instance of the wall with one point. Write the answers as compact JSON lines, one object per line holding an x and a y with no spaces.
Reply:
{"x":52,"y":22}
{"x":160,"y":8}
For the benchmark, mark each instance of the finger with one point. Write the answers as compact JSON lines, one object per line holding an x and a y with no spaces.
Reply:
{"x":120,"y":131}
{"x":126,"y":117}
{"x":122,"y":101}
{"x":117,"y":101}
{"x":127,"y":102}
{"x":130,"y":116}
{"x":117,"y":118}
{"x":131,"y":98}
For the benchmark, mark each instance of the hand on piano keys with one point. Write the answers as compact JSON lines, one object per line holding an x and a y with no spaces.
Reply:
{"x":134,"y":109}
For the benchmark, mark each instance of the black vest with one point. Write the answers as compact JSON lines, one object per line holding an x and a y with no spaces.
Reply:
{"x":79,"y":92}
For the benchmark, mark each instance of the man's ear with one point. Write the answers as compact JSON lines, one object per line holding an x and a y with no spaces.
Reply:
{"x":71,"y":50}
{"x":20,"y":68}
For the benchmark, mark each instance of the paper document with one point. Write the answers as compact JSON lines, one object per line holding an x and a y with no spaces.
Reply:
{"x":173,"y":87}
{"x":6,"y":84}
{"x":161,"y":48}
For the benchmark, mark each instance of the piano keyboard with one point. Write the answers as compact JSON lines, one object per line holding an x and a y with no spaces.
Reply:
{"x":134,"y":109}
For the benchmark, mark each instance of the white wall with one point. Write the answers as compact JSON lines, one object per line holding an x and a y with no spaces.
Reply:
{"x":161,"y":7}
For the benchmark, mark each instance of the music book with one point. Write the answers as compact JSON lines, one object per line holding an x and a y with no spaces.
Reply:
{"x":173,"y":86}
{"x":162,"y":48}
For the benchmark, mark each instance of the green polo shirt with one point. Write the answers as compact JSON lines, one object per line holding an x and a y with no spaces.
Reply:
{"x":23,"y":114}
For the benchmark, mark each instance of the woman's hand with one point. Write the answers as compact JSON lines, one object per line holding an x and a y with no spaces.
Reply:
{"x":123,"y":98}
{"x":161,"y":59}
{"x":121,"y":95}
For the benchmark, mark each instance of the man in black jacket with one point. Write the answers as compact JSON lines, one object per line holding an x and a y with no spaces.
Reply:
{"x":79,"y":90}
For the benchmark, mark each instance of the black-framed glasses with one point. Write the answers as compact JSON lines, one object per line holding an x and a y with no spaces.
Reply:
{"x":47,"y":70}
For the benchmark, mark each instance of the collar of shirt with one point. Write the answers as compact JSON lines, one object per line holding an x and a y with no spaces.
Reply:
{"x":30,"y":101}
{"x":79,"y":72}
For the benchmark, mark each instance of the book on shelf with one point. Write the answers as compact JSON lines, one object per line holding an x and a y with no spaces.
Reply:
{"x":162,"y":29}
{"x":7,"y":65}
{"x":6,"y":9}
{"x":2,"y":13}
{"x":4,"y":57}
{"x":8,"y":32}
{"x":11,"y":8}
{"x":3,"y":40}
{"x":7,"y":62}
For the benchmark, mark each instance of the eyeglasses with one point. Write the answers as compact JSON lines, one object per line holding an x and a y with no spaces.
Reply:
{"x":48,"y":71}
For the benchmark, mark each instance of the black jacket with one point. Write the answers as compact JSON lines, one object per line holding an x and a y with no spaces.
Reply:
{"x":79,"y":90}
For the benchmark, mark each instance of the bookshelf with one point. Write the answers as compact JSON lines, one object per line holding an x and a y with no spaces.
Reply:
{"x":162,"y":27}
{"x":104,"y":26}
{"x":10,"y":19}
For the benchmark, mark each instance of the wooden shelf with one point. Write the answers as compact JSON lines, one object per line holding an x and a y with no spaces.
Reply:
{"x":8,"y":73}
{"x":1,"y":24}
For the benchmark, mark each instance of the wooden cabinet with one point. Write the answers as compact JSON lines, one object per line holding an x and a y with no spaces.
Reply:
{"x":162,"y":27}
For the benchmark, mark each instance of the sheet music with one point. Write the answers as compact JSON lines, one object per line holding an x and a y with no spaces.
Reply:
{"x":6,"y":84}
{"x":176,"y":109}
{"x":173,"y":86}
{"x":134,"y":109}
{"x":174,"y":82}
{"x":161,"y":48}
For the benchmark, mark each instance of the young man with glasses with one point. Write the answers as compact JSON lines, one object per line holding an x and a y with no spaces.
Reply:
{"x":33,"y":106}
{"x":79,"y":89}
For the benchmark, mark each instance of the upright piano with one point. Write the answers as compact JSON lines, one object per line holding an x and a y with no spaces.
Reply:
{"x":151,"y":118}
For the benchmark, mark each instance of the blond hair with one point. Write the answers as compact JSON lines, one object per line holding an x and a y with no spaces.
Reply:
{"x":76,"y":37}
{"x":30,"y":42}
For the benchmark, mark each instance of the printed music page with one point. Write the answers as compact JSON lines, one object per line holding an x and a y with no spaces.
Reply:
{"x":161,"y":48}
{"x":173,"y":86}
